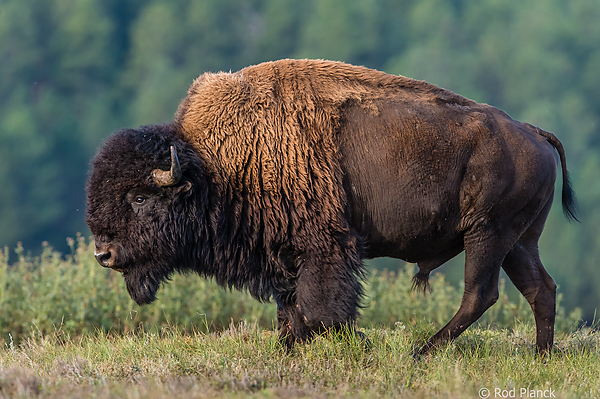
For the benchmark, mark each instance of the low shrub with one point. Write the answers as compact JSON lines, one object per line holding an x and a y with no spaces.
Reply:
{"x":71,"y":293}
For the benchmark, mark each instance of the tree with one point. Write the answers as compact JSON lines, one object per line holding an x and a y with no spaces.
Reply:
{"x":55,"y":56}
{"x":73,"y":71}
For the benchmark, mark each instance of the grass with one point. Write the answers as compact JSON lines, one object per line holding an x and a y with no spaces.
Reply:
{"x":246,"y":361}
{"x":69,"y":329}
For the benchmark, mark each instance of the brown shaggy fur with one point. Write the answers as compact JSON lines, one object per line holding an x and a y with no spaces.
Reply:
{"x":269,"y":128}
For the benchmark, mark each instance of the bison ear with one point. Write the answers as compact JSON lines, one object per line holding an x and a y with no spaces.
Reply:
{"x":184,"y":188}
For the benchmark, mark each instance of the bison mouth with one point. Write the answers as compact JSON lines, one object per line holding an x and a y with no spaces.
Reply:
{"x":142,"y":288}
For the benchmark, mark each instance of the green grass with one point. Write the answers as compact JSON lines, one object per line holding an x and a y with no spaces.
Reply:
{"x":246,"y":360}
{"x":69,"y":329}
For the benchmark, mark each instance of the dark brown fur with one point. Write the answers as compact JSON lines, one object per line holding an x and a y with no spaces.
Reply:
{"x":294,"y":171}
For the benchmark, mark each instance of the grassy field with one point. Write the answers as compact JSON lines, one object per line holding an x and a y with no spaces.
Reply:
{"x":246,"y":361}
{"x":68,"y":329}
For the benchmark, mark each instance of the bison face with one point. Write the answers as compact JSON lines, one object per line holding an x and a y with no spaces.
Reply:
{"x":142,"y":208}
{"x":146,"y":250}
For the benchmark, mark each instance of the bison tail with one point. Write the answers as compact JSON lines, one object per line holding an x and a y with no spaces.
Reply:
{"x":569,"y":202}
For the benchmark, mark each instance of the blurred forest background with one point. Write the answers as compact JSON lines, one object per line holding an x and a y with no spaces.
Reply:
{"x":72,"y":71}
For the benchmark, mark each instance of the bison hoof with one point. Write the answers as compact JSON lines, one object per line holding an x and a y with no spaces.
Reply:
{"x":424,"y":351}
{"x":364,"y":340}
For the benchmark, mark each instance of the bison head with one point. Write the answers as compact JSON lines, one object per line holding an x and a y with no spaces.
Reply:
{"x":142,"y":198}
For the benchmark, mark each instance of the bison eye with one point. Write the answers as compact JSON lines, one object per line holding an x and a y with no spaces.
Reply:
{"x":140,"y":200}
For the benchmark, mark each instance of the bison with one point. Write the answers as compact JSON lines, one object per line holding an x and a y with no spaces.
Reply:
{"x":281,"y":178}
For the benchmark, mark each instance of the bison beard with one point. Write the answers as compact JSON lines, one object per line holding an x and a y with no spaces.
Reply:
{"x":281,"y":178}
{"x":141,"y":288}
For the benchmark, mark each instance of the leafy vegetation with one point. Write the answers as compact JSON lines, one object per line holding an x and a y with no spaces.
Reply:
{"x":72,"y":71}
{"x":69,"y":329}
{"x":72,"y":294}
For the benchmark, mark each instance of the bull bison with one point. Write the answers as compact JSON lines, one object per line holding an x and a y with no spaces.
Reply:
{"x":281,"y":178}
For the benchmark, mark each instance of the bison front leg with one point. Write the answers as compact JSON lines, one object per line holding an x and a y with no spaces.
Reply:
{"x":291,"y":327}
{"x":326,"y":295}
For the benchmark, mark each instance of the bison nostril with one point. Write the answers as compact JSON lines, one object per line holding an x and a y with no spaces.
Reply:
{"x":104,"y":258}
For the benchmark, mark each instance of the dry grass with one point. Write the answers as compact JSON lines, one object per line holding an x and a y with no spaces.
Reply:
{"x":246,"y":361}
{"x":68,"y":329}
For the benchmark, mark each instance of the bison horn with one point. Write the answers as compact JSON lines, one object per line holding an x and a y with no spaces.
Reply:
{"x":166,"y":178}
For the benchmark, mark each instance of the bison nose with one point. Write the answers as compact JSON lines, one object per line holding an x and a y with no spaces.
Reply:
{"x":105,"y":258}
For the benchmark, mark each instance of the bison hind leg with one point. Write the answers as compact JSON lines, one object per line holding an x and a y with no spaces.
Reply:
{"x":420,"y":282}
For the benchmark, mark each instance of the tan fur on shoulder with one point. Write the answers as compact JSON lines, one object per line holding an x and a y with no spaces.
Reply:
{"x":270,"y":127}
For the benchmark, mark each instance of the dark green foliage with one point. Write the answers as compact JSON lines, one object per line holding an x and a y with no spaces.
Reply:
{"x":73,"y":294}
{"x":73,"y":71}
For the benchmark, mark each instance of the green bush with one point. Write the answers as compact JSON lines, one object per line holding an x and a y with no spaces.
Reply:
{"x":73,"y":294}
{"x":390,"y":300}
